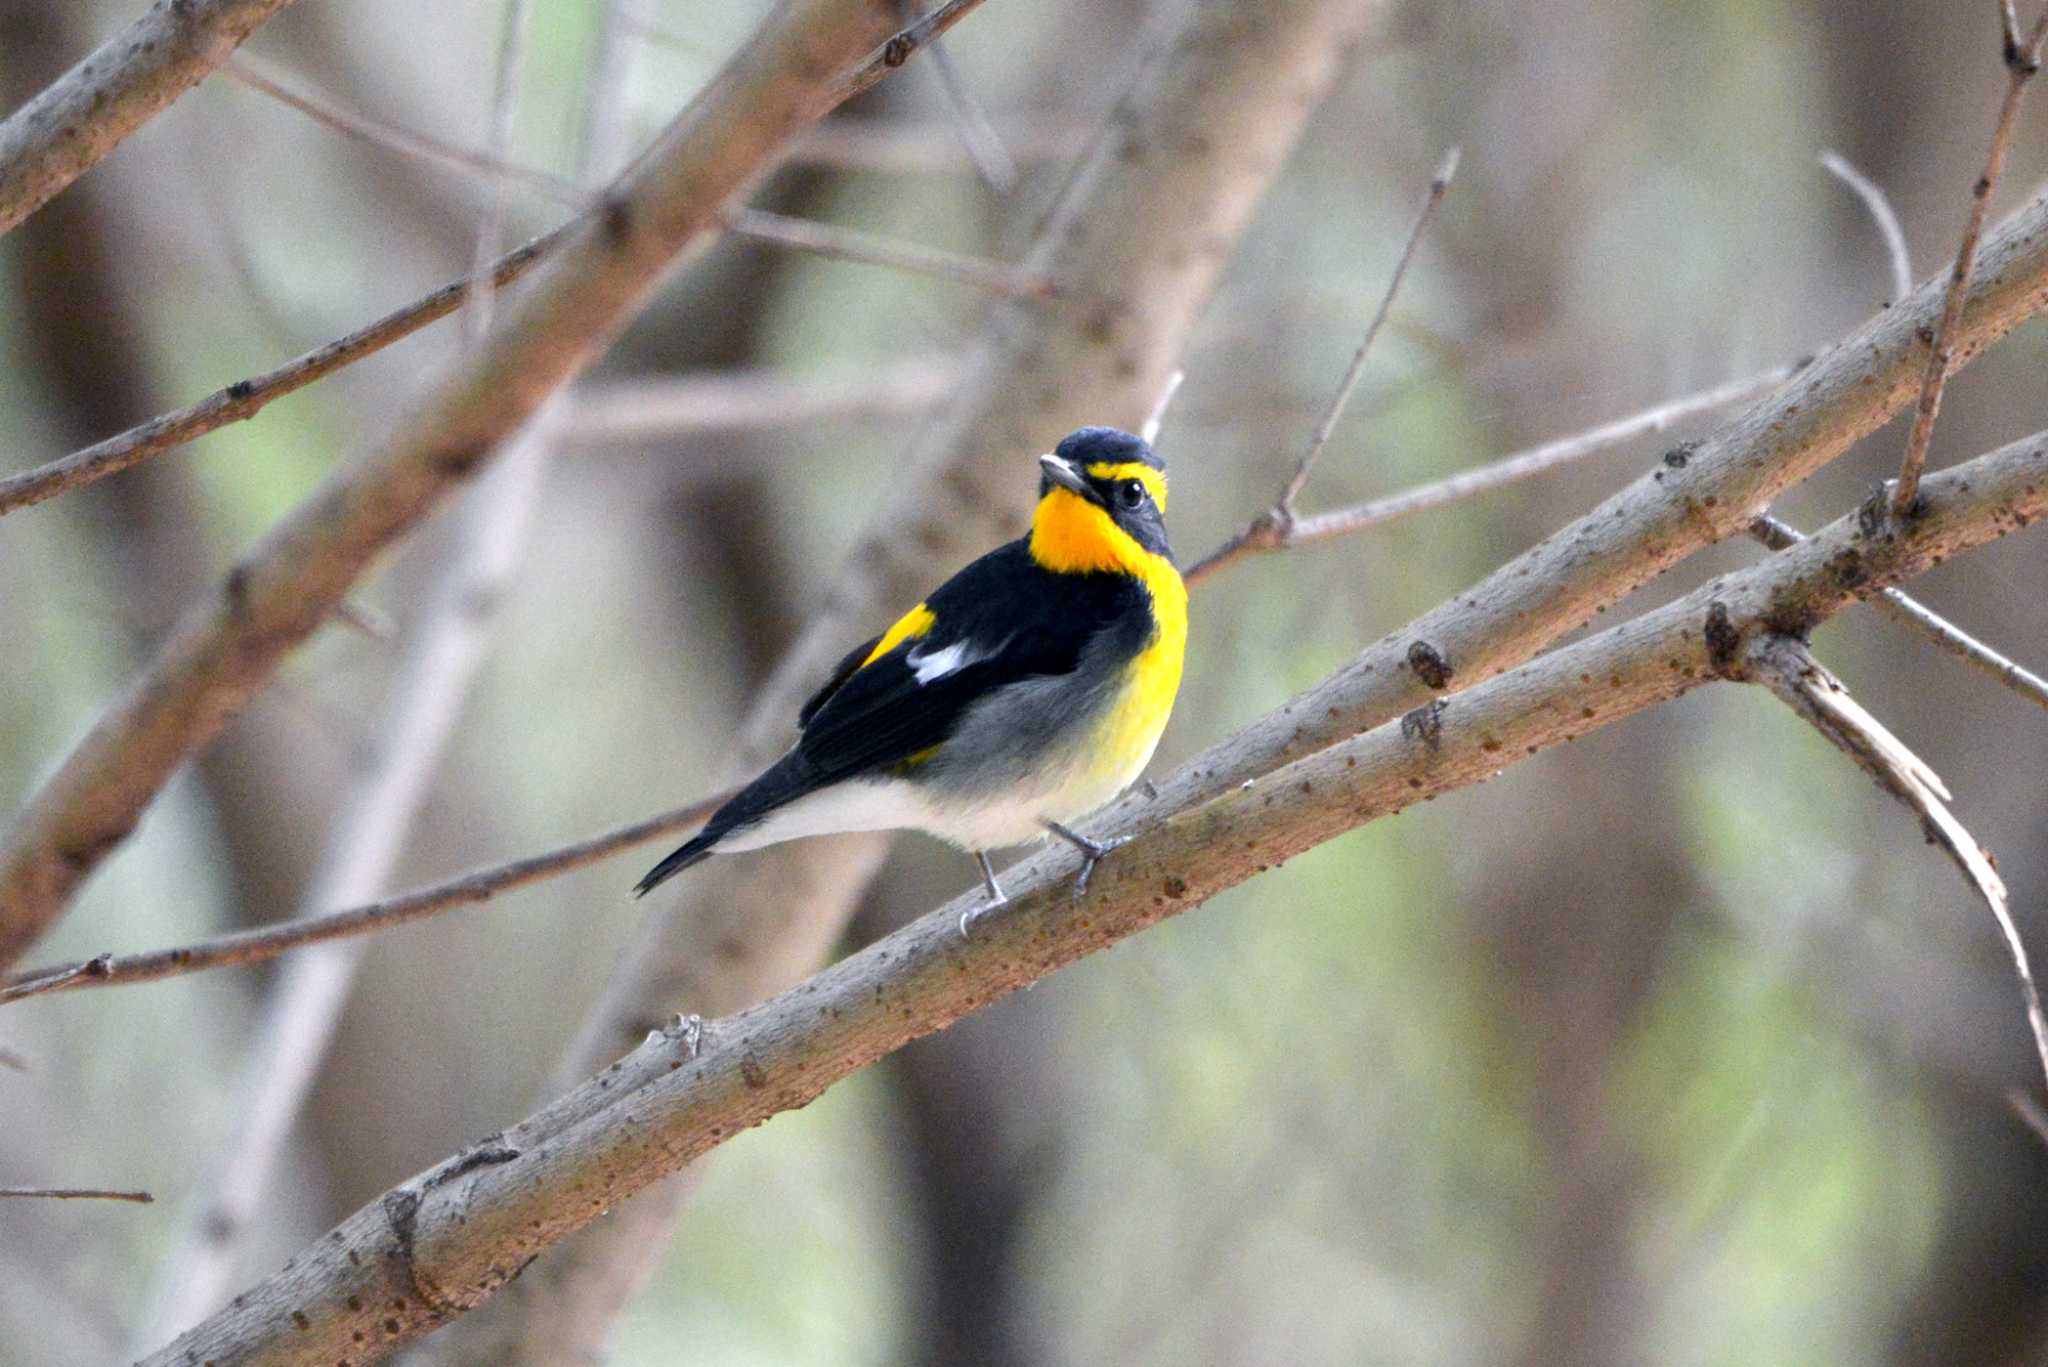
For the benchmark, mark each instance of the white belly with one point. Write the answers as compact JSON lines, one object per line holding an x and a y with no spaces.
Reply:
{"x":1013,"y":815}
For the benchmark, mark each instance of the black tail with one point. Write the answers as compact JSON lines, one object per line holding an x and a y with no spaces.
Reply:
{"x":784,"y":781}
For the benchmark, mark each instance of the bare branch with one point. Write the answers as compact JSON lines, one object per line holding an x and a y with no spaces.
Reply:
{"x":2022,"y":61}
{"x":263,"y":943}
{"x":1897,"y":605}
{"x":978,"y":137}
{"x":1788,"y":669}
{"x":12,"y":1061}
{"x":1283,"y":510}
{"x":900,"y":49}
{"x":1136,"y":241}
{"x":480,"y":301}
{"x":371,"y":827}
{"x":244,"y":399}
{"x":1149,"y":431}
{"x":872,"y":144}
{"x":491,"y":166}
{"x":140,"y":1198}
{"x":63,"y":132}
{"x":228,"y":647}
{"x":1882,"y":214}
{"x":609,"y":412}
{"x":465,"y":1228}
{"x":827,"y":240}
{"x":1259,"y":539}
{"x":1699,"y":493}
{"x":844,"y":244}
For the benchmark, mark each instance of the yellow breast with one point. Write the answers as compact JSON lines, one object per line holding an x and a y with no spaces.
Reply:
{"x":1070,"y":535}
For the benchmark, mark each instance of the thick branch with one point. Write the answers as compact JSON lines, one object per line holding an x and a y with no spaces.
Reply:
{"x":446,"y":1241}
{"x":63,"y":132}
{"x":1698,"y":493}
{"x":1136,"y":244}
{"x":227,"y":648}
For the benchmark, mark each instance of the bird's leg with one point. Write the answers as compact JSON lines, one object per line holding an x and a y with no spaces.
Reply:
{"x":996,"y":896}
{"x":1092,"y":852}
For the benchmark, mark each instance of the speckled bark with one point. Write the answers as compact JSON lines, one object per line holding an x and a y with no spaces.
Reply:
{"x":443,"y":1243}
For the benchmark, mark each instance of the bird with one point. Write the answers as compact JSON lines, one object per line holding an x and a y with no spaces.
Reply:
{"x":1018,"y":697}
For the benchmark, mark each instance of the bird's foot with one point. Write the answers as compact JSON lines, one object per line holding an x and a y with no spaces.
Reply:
{"x":1093,"y":852}
{"x":996,"y":896}
{"x":969,"y":917}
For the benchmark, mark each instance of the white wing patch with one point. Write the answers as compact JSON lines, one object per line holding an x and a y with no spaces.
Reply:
{"x":929,"y":665}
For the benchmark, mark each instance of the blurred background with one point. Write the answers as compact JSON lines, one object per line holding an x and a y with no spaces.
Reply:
{"x":1676,"y":1045}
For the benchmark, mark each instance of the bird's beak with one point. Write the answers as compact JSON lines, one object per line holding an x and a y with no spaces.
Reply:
{"x":1062,"y":472}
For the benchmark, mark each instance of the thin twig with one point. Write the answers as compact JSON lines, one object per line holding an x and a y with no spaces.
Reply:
{"x":244,"y":399}
{"x":1882,"y":214}
{"x":1901,"y":607}
{"x":1509,"y":469}
{"x":372,"y":825}
{"x":874,"y":144}
{"x":609,"y":412}
{"x":1438,"y":185}
{"x":977,"y":135}
{"x":140,"y":1198}
{"x":481,"y":300}
{"x":845,"y":244}
{"x":470,"y":1222}
{"x":391,"y":137}
{"x":13,"y":1061}
{"x":2022,"y":61}
{"x":261,"y":944}
{"x":1149,"y":431}
{"x":1785,"y":665}
{"x":831,"y":241}
{"x":264,"y":943}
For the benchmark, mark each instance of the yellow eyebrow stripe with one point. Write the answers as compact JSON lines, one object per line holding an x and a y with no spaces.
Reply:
{"x":1153,"y":480}
{"x":909,"y":627}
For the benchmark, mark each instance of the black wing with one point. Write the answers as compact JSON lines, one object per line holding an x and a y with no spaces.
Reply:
{"x":1001,"y":620}
{"x":841,"y":672}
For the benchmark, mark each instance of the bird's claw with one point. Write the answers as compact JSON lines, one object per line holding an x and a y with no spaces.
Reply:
{"x":973,"y":914}
{"x":1093,"y":852}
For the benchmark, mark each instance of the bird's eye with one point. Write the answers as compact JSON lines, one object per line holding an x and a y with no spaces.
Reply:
{"x":1131,"y":494}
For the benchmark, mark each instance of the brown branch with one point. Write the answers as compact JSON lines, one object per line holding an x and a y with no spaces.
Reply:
{"x":391,"y":137}
{"x":369,"y":830}
{"x":228,"y":647}
{"x":1136,"y":241}
{"x":978,"y":136}
{"x":778,"y":230}
{"x":140,"y":1198}
{"x":2022,"y":61}
{"x":1699,"y":493}
{"x":1263,"y":536}
{"x":1785,"y":666}
{"x":1439,"y":185}
{"x":443,"y":1243}
{"x":244,"y":399}
{"x":63,"y":132}
{"x":263,"y":943}
{"x":1270,"y":530}
{"x":610,"y":412}
{"x":845,"y":244}
{"x":1911,"y":612}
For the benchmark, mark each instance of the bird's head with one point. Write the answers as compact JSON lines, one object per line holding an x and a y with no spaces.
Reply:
{"x":1101,"y":503}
